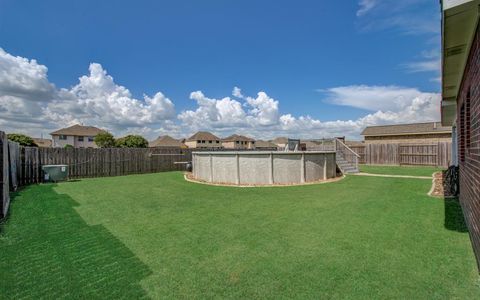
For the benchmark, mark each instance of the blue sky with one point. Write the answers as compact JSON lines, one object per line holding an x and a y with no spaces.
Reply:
{"x":296,"y":52}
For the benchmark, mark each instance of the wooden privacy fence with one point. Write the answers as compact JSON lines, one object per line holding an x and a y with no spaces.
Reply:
{"x":110,"y":162}
{"x":438,"y":154}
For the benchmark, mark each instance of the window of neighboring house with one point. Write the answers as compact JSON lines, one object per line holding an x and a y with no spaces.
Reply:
{"x":209,"y":142}
{"x":203,"y":142}
{"x":91,"y":138}
{"x":238,"y":142}
{"x":218,"y":142}
{"x":62,"y":137}
{"x":80,"y":138}
{"x":199,"y":141}
{"x":253,"y":143}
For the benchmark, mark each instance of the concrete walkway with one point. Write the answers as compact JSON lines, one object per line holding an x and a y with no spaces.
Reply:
{"x":392,"y":176}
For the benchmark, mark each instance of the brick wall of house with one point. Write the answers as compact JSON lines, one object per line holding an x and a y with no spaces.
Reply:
{"x":410,"y":139}
{"x":468,"y":126}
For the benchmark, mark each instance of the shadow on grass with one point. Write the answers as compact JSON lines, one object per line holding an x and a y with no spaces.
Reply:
{"x":454,"y":219}
{"x":48,"y":251}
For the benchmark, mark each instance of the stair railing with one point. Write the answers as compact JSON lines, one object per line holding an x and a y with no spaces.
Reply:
{"x":348,"y":154}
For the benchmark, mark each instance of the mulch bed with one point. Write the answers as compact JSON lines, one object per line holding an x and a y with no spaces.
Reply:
{"x":440,"y":187}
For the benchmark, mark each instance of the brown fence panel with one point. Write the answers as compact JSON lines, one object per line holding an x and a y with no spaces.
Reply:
{"x":360,"y":150}
{"x":444,"y":154}
{"x":382,"y":154}
{"x":87,"y":162}
{"x":4,"y":173}
{"x":439,"y":154}
{"x":14,"y":164}
{"x":424,"y":155}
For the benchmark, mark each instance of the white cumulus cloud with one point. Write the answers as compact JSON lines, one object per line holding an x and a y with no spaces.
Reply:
{"x":260,"y":116}
{"x":31,"y":104}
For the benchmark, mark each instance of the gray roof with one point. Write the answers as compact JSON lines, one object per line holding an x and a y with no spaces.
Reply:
{"x":406,"y":129}
{"x":237,"y":137}
{"x":203,"y":135}
{"x":45,"y":143}
{"x":264,"y":144}
{"x":78,"y":130}
{"x":280,"y":140}
{"x":166,"y":141}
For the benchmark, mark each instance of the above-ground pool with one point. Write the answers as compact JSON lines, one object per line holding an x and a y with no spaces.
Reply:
{"x":262,"y":167}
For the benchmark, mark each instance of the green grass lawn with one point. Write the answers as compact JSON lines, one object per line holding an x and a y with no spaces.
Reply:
{"x":159,"y":236}
{"x":400,"y":170}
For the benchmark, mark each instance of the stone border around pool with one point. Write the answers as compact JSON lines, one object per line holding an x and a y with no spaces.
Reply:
{"x":188,"y":176}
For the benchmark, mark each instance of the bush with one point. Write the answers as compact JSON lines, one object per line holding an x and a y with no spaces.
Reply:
{"x":132,"y":141}
{"x":104,"y":140}
{"x":68,"y":146}
{"x":22,"y":139}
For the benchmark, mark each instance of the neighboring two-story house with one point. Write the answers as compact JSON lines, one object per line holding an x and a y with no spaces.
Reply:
{"x":77,"y":136}
{"x":236,"y":141}
{"x":203,"y":139}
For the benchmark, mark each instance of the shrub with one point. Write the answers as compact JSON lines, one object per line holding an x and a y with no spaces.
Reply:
{"x":22,"y":139}
{"x":68,"y":146}
{"x":104,"y":140}
{"x":132,"y":141}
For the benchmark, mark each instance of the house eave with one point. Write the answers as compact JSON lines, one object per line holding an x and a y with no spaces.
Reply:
{"x":459,"y":21}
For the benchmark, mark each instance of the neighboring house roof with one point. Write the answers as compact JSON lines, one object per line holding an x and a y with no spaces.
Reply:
{"x":280,"y":140}
{"x":78,"y":130}
{"x":44,"y":143}
{"x":236,"y":137}
{"x":264,"y":144}
{"x":166,"y":141}
{"x":204,"y":136}
{"x":354,"y":143}
{"x":407,"y":129}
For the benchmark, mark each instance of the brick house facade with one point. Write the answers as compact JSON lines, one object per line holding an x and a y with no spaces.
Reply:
{"x":468,"y":125}
{"x":461,"y":102}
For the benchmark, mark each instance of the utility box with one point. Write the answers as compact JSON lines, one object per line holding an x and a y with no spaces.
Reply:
{"x":55,"y":173}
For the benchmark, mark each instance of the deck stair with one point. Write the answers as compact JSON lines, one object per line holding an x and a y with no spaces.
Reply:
{"x":347,"y":159}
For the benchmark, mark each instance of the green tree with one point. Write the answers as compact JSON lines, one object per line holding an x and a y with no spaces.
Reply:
{"x":132,"y":141}
{"x":104,"y":140}
{"x":22,"y":139}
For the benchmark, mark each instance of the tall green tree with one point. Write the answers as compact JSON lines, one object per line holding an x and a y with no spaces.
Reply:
{"x":22,"y":139}
{"x":132,"y":141}
{"x":104,"y":140}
